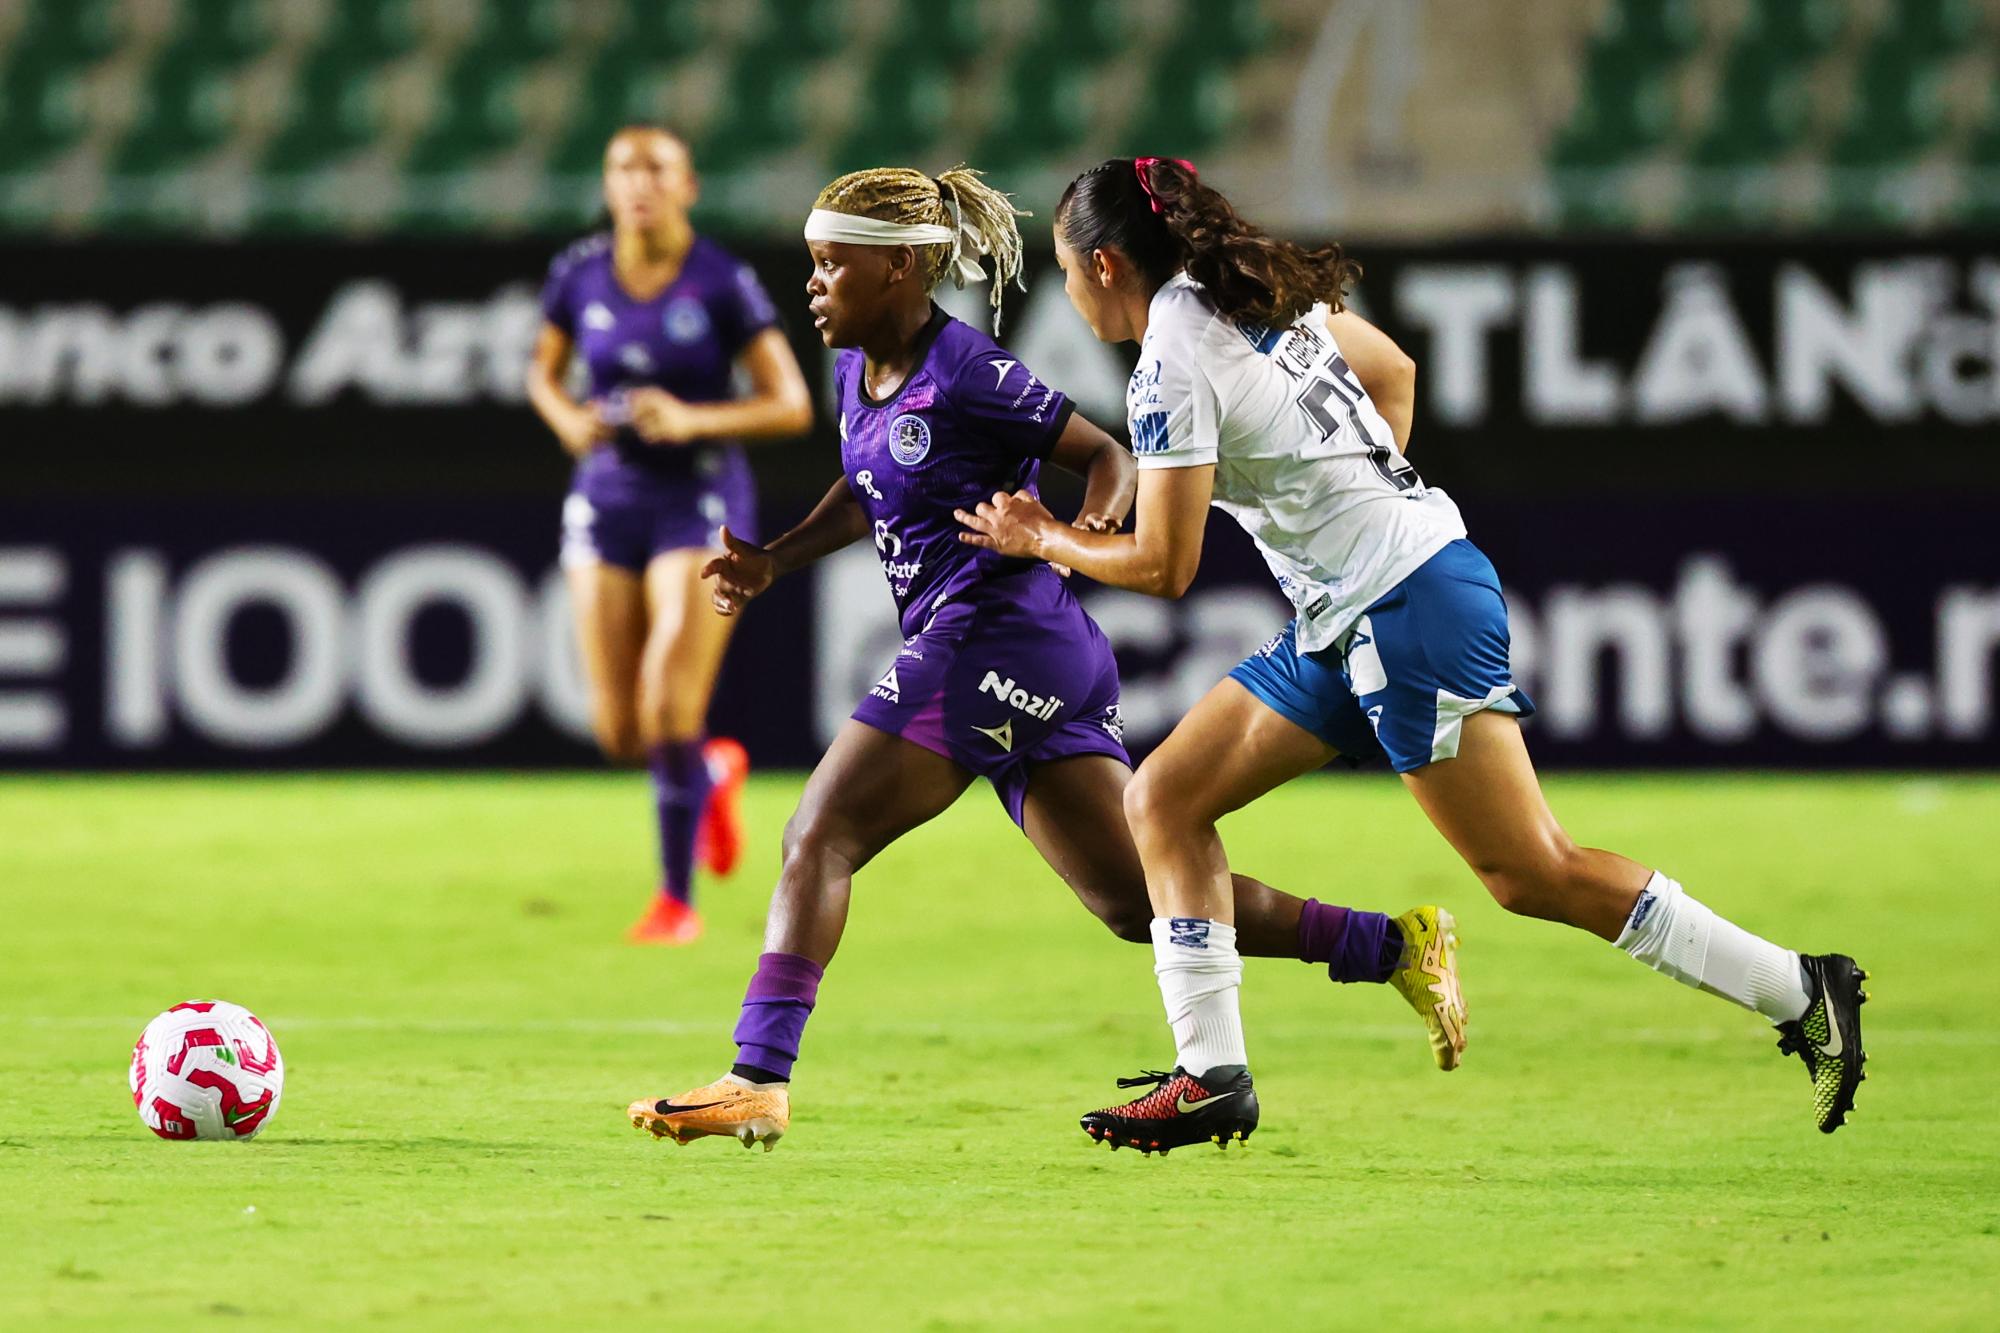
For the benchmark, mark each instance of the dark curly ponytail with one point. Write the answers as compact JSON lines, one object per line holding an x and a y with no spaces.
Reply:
{"x":1168,"y":221}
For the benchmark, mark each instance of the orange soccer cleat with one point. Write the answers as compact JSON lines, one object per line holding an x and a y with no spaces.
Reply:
{"x":730,"y":1107}
{"x":667,"y":921}
{"x":718,"y":842}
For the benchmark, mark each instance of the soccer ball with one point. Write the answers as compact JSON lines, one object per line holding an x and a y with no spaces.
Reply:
{"x":206,"y":1069}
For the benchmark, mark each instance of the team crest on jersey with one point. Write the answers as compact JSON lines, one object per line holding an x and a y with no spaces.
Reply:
{"x":597,"y":316}
{"x":685,"y":320}
{"x":909,"y":439}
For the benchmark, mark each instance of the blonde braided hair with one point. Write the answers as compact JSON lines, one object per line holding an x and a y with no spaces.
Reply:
{"x":977,"y":214}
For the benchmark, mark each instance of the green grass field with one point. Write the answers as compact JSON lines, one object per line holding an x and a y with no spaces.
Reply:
{"x":440,"y":958}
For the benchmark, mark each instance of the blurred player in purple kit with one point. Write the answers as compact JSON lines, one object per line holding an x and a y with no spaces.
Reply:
{"x":1002,"y":674}
{"x":661,"y":320}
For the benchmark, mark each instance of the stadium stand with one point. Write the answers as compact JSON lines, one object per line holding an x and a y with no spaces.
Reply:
{"x":354,"y":115}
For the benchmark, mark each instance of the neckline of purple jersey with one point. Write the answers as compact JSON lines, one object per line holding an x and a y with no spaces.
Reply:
{"x":926,"y":339}
{"x":631,"y":297}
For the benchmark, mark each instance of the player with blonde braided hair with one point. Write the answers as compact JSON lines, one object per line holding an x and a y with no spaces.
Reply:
{"x":1002,"y":674}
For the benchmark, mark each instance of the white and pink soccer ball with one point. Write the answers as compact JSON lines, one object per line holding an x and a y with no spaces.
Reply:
{"x":207,"y":1069}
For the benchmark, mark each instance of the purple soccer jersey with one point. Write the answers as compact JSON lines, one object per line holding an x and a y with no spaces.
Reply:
{"x":1001,"y":668}
{"x":968,"y":421}
{"x":633,"y":500}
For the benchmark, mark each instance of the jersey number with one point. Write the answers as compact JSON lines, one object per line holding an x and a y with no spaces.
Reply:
{"x":1318,"y":398}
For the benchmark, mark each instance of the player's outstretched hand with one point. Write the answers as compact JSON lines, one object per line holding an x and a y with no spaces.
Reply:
{"x":739,"y":573}
{"x":1010,"y":524}
{"x":661,"y":418}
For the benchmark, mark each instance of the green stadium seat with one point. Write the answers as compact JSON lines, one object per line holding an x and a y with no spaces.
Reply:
{"x":186,"y":109}
{"x":1045,"y":112}
{"x":760,"y":113}
{"x":1624,"y":108}
{"x":368,"y":32}
{"x":1189,"y":105}
{"x":41,"y":114}
{"x":337,"y":111}
{"x":1081,"y":31}
{"x":67,"y":33}
{"x":903,"y":112}
{"x":516,"y":32}
{"x":660,"y":30}
{"x":1793,"y":31}
{"x":1665,"y":30}
{"x":1762,"y":110}
{"x":220,"y":34}
{"x":478,"y":118}
{"x":802,"y":27}
{"x":1936,"y":28}
{"x":1232,"y":29}
{"x":951,"y":30}
{"x":1898,"y":110}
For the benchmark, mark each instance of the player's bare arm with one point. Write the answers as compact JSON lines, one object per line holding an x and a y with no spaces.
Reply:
{"x":778,"y":406}
{"x":1385,"y":370}
{"x":744,"y":570}
{"x":1159,"y":557}
{"x":579,"y":426}
{"x":1111,"y":478}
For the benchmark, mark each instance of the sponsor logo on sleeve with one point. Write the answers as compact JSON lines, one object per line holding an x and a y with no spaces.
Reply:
{"x":1149,"y":434}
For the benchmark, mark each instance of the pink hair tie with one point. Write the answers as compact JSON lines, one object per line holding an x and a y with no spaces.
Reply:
{"x":1139,"y":166}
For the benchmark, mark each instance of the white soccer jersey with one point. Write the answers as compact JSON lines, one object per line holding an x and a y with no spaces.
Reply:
{"x":1302,"y":458}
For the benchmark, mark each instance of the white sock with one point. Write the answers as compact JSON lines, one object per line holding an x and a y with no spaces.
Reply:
{"x":1670,"y":932}
{"x":1200,"y":973}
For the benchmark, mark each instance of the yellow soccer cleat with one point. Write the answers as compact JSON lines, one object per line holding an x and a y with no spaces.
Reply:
{"x":1427,"y":976}
{"x":730,"y":1107}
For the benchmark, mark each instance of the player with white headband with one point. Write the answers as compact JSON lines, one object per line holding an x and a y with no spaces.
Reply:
{"x":1002,"y":674}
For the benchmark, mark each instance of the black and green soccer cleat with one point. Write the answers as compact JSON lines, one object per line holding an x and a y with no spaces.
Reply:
{"x":1828,"y":1035}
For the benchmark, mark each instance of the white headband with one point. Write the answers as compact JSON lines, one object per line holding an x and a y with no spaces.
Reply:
{"x":966,"y":247}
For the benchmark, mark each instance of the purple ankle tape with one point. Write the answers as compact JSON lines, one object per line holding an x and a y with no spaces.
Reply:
{"x":1360,"y":955}
{"x":1321,"y":927}
{"x":776,"y":1006}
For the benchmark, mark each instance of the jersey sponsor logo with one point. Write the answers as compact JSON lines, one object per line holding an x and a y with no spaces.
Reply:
{"x":1020,"y":700}
{"x":1149,"y":434}
{"x":1000,"y":369}
{"x":685,"y":320}
{"x":596,"y":316}
{"x":1113,"y":723}
{"x":888,"y":688}
{"x":1319,"y":605}
{"x":909,"y":439}
{"x":865,"y":478}
{"x":1002,"y":735}
{"x":886,"y":540}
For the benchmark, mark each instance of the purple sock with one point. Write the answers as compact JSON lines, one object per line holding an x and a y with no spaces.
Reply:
{"x":680,"y":790}
{"x":775,"y":1009}
{"x":1355,"y":946}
